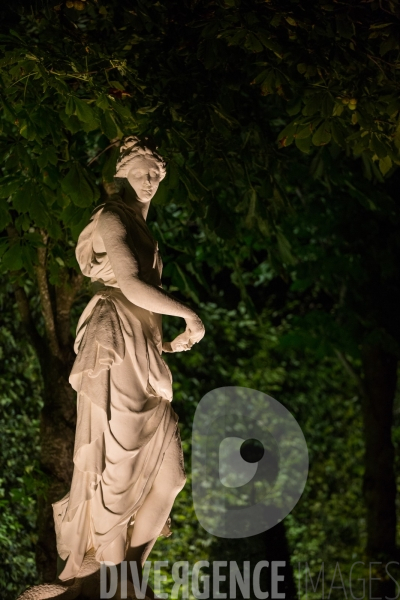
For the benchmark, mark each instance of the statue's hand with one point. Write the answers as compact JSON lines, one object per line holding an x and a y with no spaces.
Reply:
{"x":180,"y":344}
{"x":195,"y":329}
{"x":194,"y":333}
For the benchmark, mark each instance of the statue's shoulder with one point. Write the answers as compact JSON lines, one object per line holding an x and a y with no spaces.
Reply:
{"x":84,"y":247}
{"x":115,"y":205}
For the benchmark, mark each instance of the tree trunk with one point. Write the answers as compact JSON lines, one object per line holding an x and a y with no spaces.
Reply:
{"x":57,"y":432}
{"x":380,"y":377}
{"x":271,"y":546}
{"x":55,"y":354}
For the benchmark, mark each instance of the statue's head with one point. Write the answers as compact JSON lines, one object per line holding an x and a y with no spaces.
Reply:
{"x":141,"y":166}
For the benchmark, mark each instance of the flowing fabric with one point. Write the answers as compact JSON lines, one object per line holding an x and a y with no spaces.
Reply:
{"x":125,"y":420}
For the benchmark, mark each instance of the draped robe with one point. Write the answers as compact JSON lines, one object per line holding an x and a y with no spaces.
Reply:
{"x":125,"y":420}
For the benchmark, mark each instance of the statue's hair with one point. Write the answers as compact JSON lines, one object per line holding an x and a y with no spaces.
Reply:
{"x":131,"y":148}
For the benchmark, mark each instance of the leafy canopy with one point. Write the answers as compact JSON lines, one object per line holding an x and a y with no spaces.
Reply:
{"x":223,"y":88}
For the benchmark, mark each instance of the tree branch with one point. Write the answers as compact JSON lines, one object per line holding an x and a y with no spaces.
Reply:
{"x":47,"y":309}
{"x":24,"y":310}
{"x":113,"y":143}
{"x":65,"y":296}
{"x":23,"y":303}
{"x":350,"y":370}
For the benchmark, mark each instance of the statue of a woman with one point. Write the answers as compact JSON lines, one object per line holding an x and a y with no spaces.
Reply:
{"x":128,"y":462}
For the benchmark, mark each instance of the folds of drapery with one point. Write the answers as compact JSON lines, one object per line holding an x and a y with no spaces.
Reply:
{"x":124,"y":425}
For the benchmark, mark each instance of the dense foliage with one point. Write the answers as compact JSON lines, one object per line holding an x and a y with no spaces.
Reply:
{"x":327,"y":525}
{"x":279,"y":215}
{"x":20,"y":400}
{"x":74,"y":81}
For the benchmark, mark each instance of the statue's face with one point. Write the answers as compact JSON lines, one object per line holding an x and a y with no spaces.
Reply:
{"x":144,"y":177}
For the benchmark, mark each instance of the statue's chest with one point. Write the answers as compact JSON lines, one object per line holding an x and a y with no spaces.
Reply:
{"x":145,"y":248}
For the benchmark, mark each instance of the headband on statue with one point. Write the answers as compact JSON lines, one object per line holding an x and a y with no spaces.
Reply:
{"x":133,"y":148}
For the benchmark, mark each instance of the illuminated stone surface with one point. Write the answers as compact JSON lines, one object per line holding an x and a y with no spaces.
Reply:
{"x":128,"y":461}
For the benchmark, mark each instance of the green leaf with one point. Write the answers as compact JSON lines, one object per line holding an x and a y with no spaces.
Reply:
{"x":285,"y":249}
{"x":7,"y":188}
{"x":124,"y":111}
{"x":312,"y":105}
{"x":83,"y":111}
{"x":268,"y":85}
{"x":63,"y":200}
{"x":79,"y":187}
{"x":293,"y":107}
{"x":70,"y":106}
{"x":344,"y":26}
{"x":54,"y":229}
{"x":376,"y":172}
{"x":72,"y":123}
{"x":378,"y":146}
{"x":303,"y":144}
{"x":393,"y":106}
{"x":9,"y":112}
{"x":161,"y":195}
{"x":29,"y":258}
{"x":22,"y":199}
{"x":48,"y":156}
{"x":117,"y":85}
{"x":270,"y":44}
{"x":338,"y":109}
{"x":327,"y":106}
{"x":108,"y":170}
{"x":322,"y":136}
{"x":252,"y":43}
{"x":75,"y":218}
{"x":367,"y":170}
{"x":363,"y":199}
{"x":27,"y":130}
{"x":260,"y":77}
{"x":108,"y":125}
{"x":311,"y":71}
{"x":12,"y":260}
{"x":103,"y":102}
{"x":5,"y":217}
{"x":286,"y":136}
{"x":76,"y":228}
{"x":38,"y":212}
{"x":173,"y":176}
{"x":390,"y":43}
{"x":337,"y":133}
{"x":51,"y":177}
{"x":90,"y":126}
{"x":303,"y":132}
{"x":385,"y":164}
{"x":397,"y":136}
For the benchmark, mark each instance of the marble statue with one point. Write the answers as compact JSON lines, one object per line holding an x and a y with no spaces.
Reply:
{"x":128,"y":461}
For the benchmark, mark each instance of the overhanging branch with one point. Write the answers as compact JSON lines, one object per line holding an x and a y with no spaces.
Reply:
{"x":23,"y":303}
{"x":65,"y":296}
{"x":351,"y":371}
{"x":24,"y":311}
{"x":45,"y":301}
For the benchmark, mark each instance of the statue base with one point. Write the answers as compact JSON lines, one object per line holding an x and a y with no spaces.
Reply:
{"x":84,"y":587}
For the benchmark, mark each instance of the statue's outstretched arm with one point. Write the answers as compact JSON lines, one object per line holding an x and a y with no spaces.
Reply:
{"x":125,"y":266}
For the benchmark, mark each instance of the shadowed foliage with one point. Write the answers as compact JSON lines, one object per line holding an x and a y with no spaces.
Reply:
{"x":280,"y":125}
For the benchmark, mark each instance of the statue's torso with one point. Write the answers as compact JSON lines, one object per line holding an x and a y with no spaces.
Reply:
{"x":139,"y":241}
